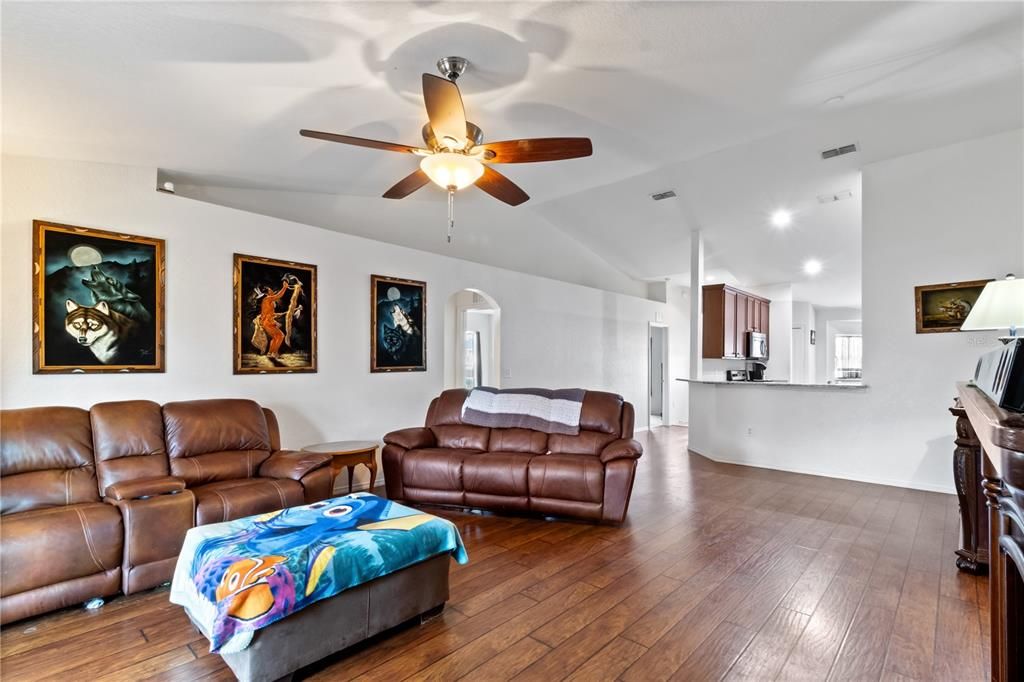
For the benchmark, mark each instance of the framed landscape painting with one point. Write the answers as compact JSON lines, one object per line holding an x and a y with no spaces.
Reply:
{"x":398,"y":309}
{"x":98,"y":300}
{"x":944,"y":307}
{"x":275,"y":316}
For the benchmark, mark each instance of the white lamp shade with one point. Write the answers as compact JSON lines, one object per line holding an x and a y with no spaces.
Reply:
{"x":1000,"y":306}
{"x":452,"y":170}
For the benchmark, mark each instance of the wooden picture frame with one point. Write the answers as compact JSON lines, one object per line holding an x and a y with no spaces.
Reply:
{"x":97,"y":300}
{"x":267,"y":339}
{"x":398,"y":324}
{"x":944,"y":307}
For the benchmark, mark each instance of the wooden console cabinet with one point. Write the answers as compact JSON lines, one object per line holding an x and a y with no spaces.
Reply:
{"x":728,"y":315}
{"x":968,"y":461}
{"x":1001,"y":435}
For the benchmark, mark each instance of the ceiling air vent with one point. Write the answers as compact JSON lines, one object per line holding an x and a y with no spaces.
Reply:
{"x":837,"y":196}
{"x":839,"y":151}
{"x":663,"y":195}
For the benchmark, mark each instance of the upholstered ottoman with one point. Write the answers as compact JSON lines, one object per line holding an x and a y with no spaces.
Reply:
{"x":278,"y":591}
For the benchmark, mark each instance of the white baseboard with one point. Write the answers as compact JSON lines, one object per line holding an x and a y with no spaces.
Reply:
{"x":950,"y":490}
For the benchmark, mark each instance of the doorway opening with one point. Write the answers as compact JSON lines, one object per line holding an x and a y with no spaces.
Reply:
{"x":472,"y":340}
{"x":657,"y":384}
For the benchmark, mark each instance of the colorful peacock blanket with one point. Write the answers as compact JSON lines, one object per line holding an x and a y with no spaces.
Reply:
{"x":236,"y":577}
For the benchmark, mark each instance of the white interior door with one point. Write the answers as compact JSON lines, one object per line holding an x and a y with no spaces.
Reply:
{"x":656,"y":372}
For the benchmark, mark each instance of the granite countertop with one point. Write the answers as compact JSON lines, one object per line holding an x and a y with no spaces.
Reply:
{"x":775,"y":384}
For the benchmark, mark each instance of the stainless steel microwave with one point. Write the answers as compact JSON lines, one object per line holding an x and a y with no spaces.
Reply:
{"x":757,"y":346}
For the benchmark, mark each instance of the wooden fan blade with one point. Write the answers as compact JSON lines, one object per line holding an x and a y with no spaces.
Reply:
{"x":445,"y":111}
{"x":407,"y":185}
{"x":501,"y":188}
{"x":360,"y":141}
{"x":537,"y":149}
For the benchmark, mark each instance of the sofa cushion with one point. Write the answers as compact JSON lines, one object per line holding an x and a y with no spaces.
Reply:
{"x":49,"y":546}
{"x":435,"y":468}
{"x":46,"y":458}
{"x":601,"y":412}
{"x":446,"y":409}
{"x":460,"y":437}
{"x":567,"y":477}
{"x":129,"y":440}
{"x":518,"y":440}
{"x":38,"y":438}
{"x":497,"y":473}
{"x":586,"y":443}
{"x":229,"y":500}
{"x":215,"y":440}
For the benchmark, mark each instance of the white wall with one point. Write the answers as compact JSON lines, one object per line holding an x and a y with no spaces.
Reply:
{"x":780,"y":328}
{"x":482,"y":226}
{"x":678,"y":352}
{"x":803,"y":317}
{"x":943,"y":215}
{"x":553,"y":333}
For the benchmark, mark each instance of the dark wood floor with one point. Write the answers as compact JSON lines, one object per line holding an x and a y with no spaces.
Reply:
{"x":720,"y":571}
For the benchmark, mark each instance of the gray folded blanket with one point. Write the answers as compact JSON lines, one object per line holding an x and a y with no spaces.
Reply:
{"x":540,"y":409}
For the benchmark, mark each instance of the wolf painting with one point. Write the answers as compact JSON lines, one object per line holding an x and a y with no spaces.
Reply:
{"x":98,"y":300}
{"x":398,"y":309}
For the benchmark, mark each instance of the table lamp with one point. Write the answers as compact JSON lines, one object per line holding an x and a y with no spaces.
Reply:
{"x":1000,"y":373}
{"x":1000,"y":306}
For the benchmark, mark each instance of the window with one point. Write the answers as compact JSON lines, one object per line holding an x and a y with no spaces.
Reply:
{"x":849,"y":362}
{"x":471,"y":367}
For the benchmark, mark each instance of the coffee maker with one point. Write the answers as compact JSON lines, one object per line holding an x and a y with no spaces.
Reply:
{"x":756,"y":370}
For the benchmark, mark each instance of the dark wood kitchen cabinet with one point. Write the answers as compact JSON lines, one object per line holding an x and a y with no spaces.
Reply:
{"x":728,"y":315}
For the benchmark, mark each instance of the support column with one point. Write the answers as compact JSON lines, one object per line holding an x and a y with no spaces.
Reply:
{"x":696,"y":304}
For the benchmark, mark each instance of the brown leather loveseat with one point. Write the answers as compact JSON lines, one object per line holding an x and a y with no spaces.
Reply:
{"x":98,"y":501}
{"x":587,"y":476}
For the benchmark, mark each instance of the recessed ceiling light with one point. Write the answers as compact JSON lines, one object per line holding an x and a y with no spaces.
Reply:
{"x":782,"y":218}
{"x":812,"y":266}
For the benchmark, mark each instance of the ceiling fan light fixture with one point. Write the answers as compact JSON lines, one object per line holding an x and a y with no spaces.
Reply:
{"x":447,"y":169}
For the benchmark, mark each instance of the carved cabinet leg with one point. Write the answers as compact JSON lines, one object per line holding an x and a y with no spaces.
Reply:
{"x":972,"y":556}
{"x":993,"y":490}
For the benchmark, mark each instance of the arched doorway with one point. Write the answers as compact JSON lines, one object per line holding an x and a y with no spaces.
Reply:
{"x":472,"y":340}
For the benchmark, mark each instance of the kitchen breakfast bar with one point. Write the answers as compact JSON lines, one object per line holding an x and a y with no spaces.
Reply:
{"x":823,"y":431}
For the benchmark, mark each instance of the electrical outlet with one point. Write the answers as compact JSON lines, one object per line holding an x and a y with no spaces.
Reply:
{"x":507,"y":372}
{"x":750,"y":431}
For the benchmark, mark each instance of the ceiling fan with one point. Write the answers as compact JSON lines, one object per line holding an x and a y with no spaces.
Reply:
{"x":455,"y":155}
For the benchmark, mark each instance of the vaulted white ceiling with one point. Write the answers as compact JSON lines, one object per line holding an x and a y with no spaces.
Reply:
{"x":720,"y":101}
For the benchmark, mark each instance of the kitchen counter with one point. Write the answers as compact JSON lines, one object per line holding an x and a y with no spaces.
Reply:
{"x":775,"y":384}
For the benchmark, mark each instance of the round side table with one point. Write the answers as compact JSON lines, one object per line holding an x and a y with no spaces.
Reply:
{"x":347,"y":454}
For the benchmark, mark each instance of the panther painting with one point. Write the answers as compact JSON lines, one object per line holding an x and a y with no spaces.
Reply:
{"x":98,"y":301}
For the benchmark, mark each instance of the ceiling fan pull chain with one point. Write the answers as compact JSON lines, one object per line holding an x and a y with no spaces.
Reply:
{"x":451,"y":212}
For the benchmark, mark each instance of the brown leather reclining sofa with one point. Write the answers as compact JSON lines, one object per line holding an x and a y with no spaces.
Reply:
{"x":96,"y":502}
{"x":587,"y":476}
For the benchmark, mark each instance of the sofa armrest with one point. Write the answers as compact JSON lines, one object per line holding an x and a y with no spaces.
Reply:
{"x":411,"y":439}
{"x":144,"y":487}
{"x":624,"y":448}
{"x":292,"y":464}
